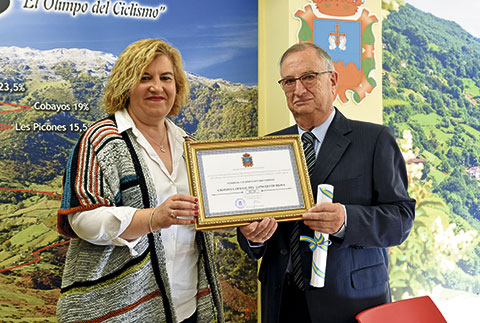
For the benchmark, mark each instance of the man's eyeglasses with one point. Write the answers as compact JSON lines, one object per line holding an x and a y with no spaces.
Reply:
{"x":308,"y":80}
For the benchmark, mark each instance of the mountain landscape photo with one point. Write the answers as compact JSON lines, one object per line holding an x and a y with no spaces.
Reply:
{"x":52,"y":97}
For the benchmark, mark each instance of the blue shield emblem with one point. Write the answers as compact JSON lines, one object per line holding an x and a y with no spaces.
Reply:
{"x":341,"y":40}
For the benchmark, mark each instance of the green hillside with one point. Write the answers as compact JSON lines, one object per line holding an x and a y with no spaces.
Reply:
{"x":431,"y":87}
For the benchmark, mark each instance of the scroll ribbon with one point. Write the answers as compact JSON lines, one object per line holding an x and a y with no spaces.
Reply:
{"x":319,"y":242}
{"x":316,"y":242}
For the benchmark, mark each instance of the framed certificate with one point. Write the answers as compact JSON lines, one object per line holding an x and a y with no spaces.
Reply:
{"x":238,"y":181}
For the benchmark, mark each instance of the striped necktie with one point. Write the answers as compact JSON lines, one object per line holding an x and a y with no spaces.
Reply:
{"x":308,"y":140}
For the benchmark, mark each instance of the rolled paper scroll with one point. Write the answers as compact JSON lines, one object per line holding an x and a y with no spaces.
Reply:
{"x":319,"y":242}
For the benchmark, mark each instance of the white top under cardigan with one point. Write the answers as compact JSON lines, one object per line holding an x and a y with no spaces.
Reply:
{"x":104,"y":225}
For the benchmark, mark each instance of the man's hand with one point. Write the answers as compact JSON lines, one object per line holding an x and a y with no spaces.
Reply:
{"x":325,"y":217}
{"x":260,"y":232}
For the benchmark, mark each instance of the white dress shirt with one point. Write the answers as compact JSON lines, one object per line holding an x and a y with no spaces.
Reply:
{"x":104,"y":225}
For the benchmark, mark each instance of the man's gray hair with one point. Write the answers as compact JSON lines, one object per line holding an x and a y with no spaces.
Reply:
{"x":327,"y":60}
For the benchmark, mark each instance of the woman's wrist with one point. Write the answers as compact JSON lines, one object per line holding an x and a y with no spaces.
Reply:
{"x":150,"y":219}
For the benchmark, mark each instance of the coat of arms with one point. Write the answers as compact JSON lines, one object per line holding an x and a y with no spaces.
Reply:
{"x":247,"y":160}
{"x":345,"y":30}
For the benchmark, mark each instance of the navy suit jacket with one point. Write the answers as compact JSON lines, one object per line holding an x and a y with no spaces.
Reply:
{"x":364,"y":164}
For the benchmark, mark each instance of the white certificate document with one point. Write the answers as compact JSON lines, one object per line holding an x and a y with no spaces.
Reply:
{"x":249,"y":180}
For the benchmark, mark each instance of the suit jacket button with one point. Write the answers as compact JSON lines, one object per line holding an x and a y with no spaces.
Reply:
{"x":283,"y":252}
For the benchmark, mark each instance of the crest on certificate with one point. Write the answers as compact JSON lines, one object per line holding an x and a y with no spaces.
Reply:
{"x":345,"y":30}
{"x":247,"y":160}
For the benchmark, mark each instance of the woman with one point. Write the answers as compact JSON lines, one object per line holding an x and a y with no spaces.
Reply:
{"x":134,"y":254}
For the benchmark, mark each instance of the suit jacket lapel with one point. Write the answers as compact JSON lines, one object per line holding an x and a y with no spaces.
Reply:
{"x":332,"y":149}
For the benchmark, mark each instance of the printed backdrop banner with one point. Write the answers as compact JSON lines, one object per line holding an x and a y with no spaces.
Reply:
{"x":55,"y":57}
{"x":430,"y":86}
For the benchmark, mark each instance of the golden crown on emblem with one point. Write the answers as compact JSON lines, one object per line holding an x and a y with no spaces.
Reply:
{"x":338,"y":7}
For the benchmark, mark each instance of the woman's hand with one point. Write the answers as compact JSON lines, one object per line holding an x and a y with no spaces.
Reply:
{"x":178,"y":209}
{"x":174,"y":210}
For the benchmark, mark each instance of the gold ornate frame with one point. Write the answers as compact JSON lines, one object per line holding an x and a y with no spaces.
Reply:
{"x":292,"y":143}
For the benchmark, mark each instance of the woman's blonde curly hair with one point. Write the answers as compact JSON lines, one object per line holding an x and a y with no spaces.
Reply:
{"x":129,"y":69}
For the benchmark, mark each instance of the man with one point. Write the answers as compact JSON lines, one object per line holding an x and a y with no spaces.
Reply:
{"x":371,"y":211}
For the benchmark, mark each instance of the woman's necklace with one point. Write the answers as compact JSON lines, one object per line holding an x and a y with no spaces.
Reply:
{"x":162,"y":147}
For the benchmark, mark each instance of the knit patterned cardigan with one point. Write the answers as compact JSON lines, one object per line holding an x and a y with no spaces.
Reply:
{"x":107,"y":283}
